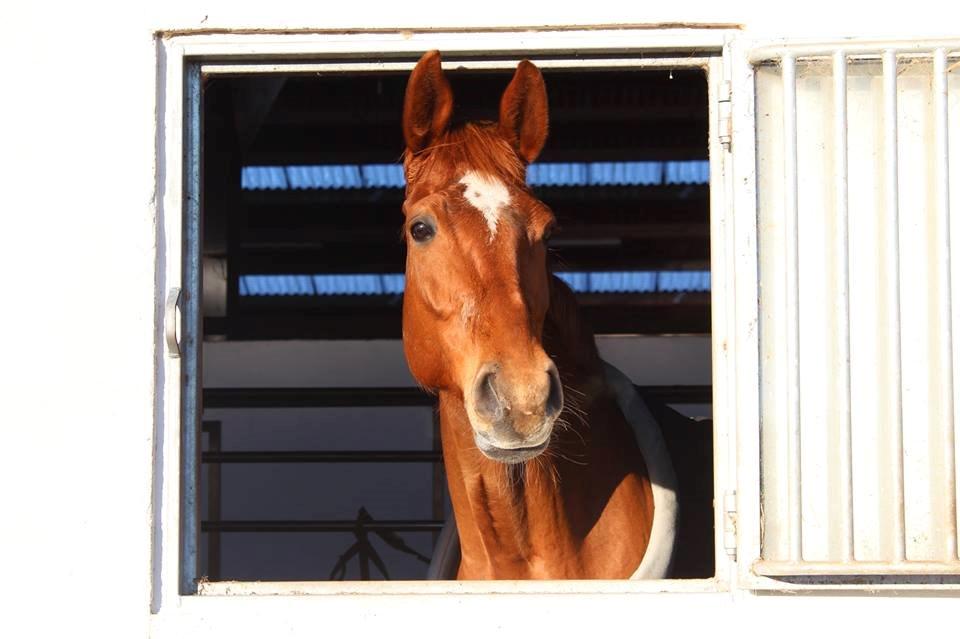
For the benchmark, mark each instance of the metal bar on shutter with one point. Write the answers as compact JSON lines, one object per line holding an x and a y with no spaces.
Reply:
{"x":942,"y":207}
{"x":906,"y":523}
{"x":841,"y":205}
{"x":792,"y":306}
{"x":892,"y":237}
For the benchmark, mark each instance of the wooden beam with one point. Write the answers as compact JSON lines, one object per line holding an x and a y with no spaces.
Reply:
{"x":600,"y":141}
{"x":311,"y":256}
{"x":610,"y":196}
{"x":624,"y":96}
{"x":361,"y":318}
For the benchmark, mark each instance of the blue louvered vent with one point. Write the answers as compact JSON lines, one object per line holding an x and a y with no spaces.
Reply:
{"x":392,"y":284}
{"x":365,"y":284}
{"x":370,"y":176}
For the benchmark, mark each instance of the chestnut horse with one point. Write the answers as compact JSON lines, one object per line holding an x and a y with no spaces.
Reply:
{"x":544,"y":471}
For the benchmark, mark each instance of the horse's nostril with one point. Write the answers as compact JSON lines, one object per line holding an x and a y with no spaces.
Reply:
{"x":555,"y":396}
{"x":486,"y":401}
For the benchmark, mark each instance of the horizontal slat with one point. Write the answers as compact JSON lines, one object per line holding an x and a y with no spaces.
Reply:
{"x":591,"y":587}
{"x":313,"y":254}
{"x":314,"y":397}
{"x":391,"y":396}
{"x":321,"y":526}
{"x":384,"y":323}
{"x":855,"y":48}
{"x":790,"y":568}
{"x":454,"y":65}
{"x":321,"y":456}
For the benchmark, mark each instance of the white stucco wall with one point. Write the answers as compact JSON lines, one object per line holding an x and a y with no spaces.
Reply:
{"x":77,"y":250}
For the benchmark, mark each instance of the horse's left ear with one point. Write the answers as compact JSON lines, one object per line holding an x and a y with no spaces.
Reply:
{"x":523,"y":111}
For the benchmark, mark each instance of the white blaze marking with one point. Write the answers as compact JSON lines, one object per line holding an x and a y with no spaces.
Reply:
{"x":488,"y":195}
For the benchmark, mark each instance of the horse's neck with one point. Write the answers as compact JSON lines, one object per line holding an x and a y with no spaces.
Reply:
{"x":529,"y":520}
{"x":507,"y":516}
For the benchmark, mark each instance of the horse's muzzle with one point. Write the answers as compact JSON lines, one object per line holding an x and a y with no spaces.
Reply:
{"x":512,"y":421}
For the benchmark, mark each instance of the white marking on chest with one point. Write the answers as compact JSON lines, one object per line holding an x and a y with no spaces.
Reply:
{"x":663,"y":479}
{"x":488,"y":195}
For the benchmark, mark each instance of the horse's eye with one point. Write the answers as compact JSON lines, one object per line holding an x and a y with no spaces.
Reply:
{"x":421,"y":231}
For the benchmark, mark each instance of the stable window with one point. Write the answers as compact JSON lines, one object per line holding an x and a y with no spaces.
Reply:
{"x":292,"y":196}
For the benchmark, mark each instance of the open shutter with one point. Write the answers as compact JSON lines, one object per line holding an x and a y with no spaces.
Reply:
{"x":858,"y":187}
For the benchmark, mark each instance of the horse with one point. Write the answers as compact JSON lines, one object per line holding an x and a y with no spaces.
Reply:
{"x":545,"y":475}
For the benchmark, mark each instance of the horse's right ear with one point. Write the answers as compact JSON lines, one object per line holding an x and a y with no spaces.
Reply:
{"x":428,"y":103}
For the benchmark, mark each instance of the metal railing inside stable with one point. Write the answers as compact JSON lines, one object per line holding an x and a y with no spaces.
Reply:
{"x":232,"y":398}
{"x":253,"y":398}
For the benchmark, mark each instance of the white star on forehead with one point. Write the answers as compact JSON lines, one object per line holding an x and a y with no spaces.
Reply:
{"x":488,"y":195}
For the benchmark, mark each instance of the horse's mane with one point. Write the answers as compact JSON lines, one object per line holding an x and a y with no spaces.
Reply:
{"x":477,"y":145}
{"x":566,"y":336}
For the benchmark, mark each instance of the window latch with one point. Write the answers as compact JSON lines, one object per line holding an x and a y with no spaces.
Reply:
{"x":170,"y":323}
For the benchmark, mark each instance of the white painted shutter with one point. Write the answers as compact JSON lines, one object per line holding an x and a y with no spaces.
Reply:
{"x":858,"y":190}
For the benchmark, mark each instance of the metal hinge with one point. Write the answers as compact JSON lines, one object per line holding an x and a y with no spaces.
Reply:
{"x":725,"y":115}
{"x":730,"y":523}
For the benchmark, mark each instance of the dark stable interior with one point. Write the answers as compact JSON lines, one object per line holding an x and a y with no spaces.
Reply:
{"x":617,"y":126}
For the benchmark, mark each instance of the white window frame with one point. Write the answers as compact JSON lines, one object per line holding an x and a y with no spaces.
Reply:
{"x":177,"y":607}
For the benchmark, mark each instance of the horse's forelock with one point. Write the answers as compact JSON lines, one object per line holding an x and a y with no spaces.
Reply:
{"x":475,"y":146}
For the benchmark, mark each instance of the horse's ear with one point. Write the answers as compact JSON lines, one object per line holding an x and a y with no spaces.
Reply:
{"x":523,"y":111}
{"x":428,"y":103}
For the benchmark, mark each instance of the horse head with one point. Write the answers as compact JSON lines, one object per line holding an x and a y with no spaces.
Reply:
{"x":477,"y":283}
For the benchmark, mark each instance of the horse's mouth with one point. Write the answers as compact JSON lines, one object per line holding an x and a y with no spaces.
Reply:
{"x":511,"y":455}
